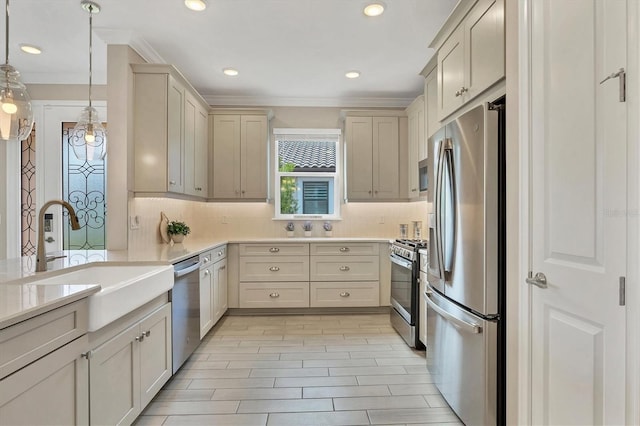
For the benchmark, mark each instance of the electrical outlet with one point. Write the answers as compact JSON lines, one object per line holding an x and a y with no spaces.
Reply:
{"x":225,"y":219}
{"x":134,"y":222}
{"x":381,"y":221}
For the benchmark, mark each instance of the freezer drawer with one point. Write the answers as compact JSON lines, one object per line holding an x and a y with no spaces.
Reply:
{"x":462,"y":357}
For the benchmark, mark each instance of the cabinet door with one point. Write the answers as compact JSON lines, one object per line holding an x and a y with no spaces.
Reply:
{"x":225,"y":156}
{"x":189,"y":145}
{"x":206,"y":301}
{"x":451,"y":73}
{"x":220,"y":289}
{"x":200,"y":164}
{"x":484,"y":41}
{"x":359,"y":139}
{"x":114,"y":380}
{"x":253,"y":137}
{"x":155,"y":353}
{"x":175,"y":136}
{"x":386,"y":165}
{"x":51,"y":391}
{"x":430,"y":111}
{"x":416,"y":134}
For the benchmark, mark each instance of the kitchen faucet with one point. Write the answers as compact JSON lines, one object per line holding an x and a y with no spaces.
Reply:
{"x":41,"y":258}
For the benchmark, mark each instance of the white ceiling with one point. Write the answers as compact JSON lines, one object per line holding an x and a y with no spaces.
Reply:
{"x":288,"y":52}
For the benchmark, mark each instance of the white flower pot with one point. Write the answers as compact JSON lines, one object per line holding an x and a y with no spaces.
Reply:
{"x":177,"y":238}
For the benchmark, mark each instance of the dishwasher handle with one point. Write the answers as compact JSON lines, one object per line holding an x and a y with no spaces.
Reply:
{"x":189,"y":269}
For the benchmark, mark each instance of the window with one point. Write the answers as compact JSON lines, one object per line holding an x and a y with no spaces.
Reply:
{"x":307,"y":173}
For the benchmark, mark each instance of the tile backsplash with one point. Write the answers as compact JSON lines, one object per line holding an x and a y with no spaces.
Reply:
{"x":255,"y":220}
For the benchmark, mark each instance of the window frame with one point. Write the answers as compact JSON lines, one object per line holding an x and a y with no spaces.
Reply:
{"x":331,"y":135}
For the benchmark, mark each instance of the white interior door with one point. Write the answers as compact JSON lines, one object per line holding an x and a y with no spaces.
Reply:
{"x":577,"y":184}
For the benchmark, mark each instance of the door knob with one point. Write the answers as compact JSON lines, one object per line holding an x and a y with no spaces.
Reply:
{"x":540,"y":280}
{"x":49,"y":239}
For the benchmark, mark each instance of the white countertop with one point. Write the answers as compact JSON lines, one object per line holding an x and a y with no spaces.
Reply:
{"x":20,"y":300}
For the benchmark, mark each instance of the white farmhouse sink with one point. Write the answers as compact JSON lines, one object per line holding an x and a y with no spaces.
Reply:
{"x":125,"y":287}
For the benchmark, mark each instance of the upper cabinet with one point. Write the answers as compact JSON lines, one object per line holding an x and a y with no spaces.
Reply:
{"x":470,"y":53}
{"x":416,"y":136}
{"x":238,"y":155}
{"x":376,"y":157}
{"x":431,"y":123}
{"x":170,"y":133}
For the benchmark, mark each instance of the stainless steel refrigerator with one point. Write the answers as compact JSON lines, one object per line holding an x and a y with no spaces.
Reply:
{"x":466,"y":274}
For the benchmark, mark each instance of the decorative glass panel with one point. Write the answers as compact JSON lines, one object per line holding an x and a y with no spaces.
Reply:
{"x":83,"y":186}
{"x":28,"y":194}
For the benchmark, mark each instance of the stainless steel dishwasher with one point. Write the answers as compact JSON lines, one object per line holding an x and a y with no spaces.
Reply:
{"x":185,"y":310}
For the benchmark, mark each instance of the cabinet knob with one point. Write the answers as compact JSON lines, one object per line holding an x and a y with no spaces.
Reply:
{"x":198,"y":189}
{"x":172,"y":182}
{"x":344,"y":249}
{"x":274,"y":295}
{"x":206,"y":272}
{"x":140,"y":338}
{"x":223,"y":267}
{"x":345,"y":294}
{"x":376,"y":192}
{"x":274,"y":249}
{"x":414,"y":189}
{"x":220,"y":253}
{"x":344,"y":268}
{"x":206,"y":259}
{"x":274,"y":269}
{"x":147,"y":333}
{"x":369,"y":192}
{"x":243,"y":192}
{"x":462,"y":91}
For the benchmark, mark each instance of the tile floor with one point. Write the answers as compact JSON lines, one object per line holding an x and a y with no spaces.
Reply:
{"x":301,"y":370}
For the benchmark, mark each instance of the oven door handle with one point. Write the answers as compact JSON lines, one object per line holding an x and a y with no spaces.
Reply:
{"x":401,"y":262}
{"x":189,"y":269}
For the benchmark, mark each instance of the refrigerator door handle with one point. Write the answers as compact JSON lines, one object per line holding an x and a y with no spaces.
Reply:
{"x":448,"y":228}
{"x":457,"y":322}
{"x":437,"y":199}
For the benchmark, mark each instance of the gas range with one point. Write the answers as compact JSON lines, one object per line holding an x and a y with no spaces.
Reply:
{"x":407,"y":248}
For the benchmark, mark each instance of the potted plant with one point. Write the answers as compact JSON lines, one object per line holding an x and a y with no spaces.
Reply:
{"x":177,"y":231}
{"x":307,"y":226}
{"x":289,"y":228}
{"x":328,"y":229}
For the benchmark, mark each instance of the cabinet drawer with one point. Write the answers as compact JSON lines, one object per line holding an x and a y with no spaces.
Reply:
{"x":206,"y":257}
{"x":219,"y":253}
{"x":332,"y":294}
{"x":345,"y":268}
{"x":276,"y":295}
{"x":29,"y":340}
{"x":344,"y":249}
{"x":287,"y":249}
{"x":280,"y":268}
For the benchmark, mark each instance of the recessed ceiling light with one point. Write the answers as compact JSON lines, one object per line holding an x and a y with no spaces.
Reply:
{"x":352,"y":74}
{"x":28,"y":48}
{"x":374,"y":9}
{"x":231,"y":72}
{"x":197,"y":5}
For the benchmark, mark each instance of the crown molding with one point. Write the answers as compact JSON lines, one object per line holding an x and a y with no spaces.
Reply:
{"x":271,"y":101}
{"x":128,"y":37}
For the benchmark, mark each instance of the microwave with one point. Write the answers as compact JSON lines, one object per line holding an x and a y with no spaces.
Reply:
{"x":423,"y":176}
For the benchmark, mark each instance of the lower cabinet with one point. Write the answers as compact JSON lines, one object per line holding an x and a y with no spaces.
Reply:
{"x":50,"y":391}
{"x":322,"y":275}
{"x":213,"y":289}
{"x":128,"y":370}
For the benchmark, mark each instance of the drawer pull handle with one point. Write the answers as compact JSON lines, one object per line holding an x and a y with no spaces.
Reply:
{"x":344,"y":268}
{"x":274,"y":249}
{"x":147,"y":333}
{"x":220,"y":253}
{"x":345,"y":294}
{"x":274,"y":295}
{"x":274,"y":269}
{"x":344,"y":249}
{"x":223,"y":267}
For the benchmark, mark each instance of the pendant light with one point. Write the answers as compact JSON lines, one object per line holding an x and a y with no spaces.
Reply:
{"x":89,"y":138}
{"x":16,"y":116}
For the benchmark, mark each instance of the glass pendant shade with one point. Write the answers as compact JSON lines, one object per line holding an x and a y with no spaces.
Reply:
{"x":16,"y":115}
{"x":89,"y":137}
